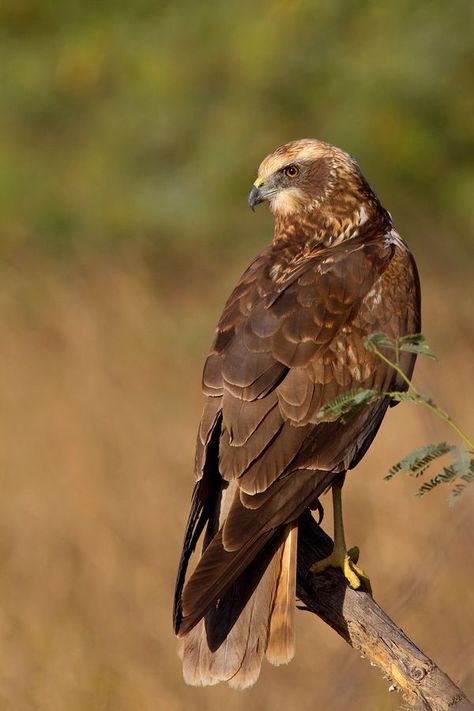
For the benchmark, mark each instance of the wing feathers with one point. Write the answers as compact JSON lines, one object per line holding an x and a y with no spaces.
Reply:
{"x":283,"y":348}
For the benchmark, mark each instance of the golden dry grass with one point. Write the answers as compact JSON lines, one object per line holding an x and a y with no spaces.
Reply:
{"x":100,"y":399}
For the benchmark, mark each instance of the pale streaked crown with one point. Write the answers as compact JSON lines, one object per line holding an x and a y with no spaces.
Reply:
{"x":303,"y":150}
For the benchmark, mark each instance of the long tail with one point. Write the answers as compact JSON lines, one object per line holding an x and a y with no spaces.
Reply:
{"x":255,"y":616}
{"x":239,"y":603}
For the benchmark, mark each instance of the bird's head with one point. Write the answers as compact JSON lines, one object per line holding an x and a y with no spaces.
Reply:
{"x":305,"y":175}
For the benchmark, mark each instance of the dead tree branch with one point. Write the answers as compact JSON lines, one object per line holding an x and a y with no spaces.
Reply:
{"x":363,"y":624}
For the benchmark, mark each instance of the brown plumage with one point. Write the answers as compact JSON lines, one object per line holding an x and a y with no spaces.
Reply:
{"x":290,"y":339}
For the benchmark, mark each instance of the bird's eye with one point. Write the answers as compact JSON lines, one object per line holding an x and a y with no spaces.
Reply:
{"x":291,"y":171}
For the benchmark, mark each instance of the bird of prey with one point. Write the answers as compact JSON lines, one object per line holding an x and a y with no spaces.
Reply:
{"x":290,"y":339}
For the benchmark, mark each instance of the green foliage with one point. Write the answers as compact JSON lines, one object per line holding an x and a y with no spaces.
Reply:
{"x":420,"y":460}
{"x":348,"y":404}
{"x":466,"y":477}
{"x":146,"y":120}
{"x":461,"y":467}
{"x":416,"y":343}
{"x":379,"y":340}
{"x":412,"y":343}
{"x":398,"y":396}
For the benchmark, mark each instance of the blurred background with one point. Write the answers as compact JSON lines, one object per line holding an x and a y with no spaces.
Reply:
{"x":130,"y":134}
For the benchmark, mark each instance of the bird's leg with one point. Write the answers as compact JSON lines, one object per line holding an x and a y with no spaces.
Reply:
{"x":340,"y":557}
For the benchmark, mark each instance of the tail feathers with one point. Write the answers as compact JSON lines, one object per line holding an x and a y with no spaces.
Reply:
{"x":243,"y":533}
{"x":253,"y":618}
{"x":230,"y":642}
{"x":281,"y":642}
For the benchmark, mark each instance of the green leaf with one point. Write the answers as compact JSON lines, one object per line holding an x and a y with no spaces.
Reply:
{"x":401,"y":396}
{"x":379,"y":340}
{"x":416,"y":343}
{"x":348,"y":404}
{"x":412,"y":343}
{"x":446,"y":475}
{"x":461,"y":468}
{"x":462,"y":458}
{"x":419,"y":460}
{"x":467,"y":476}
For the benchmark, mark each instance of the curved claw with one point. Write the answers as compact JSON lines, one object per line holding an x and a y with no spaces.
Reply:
{"x":347,"y":562}
{"x":354,"y":553}
{"x":362,"y":577}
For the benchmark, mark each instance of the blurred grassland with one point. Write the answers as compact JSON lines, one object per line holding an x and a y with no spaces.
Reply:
{"x":99,"y":402}
{"x":129,"y":136}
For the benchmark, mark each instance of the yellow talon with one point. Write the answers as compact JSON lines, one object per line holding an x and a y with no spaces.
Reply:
{"x":352,"y":572}
{"x":345,"y":560}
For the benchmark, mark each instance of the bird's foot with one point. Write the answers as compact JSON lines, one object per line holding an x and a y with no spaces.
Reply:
{"x":345,"y":560}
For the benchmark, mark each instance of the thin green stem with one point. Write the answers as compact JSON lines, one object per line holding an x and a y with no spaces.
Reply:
{"x":443,"y":415}
{"x":396,"y":367}
{"x":432,"y":406}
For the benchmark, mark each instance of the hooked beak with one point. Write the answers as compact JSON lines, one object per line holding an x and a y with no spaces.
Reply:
{"x":256,"y":195}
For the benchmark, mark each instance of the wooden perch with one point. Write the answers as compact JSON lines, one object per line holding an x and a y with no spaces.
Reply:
{"x":357,"y":617}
